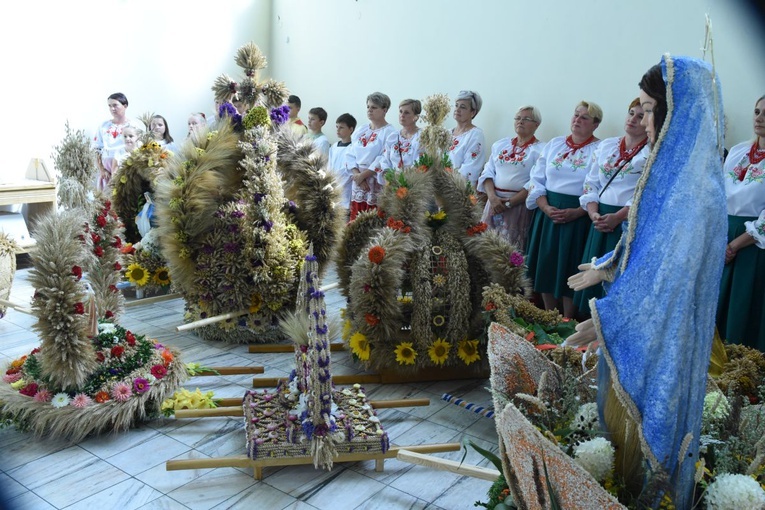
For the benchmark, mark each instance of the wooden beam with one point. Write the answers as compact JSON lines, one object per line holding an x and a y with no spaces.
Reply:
{"x":412,"y":457}
{"x":232,"y":407}
{"x":271,"y":348}
{"x":258,"y":465}
{"x":151,"y":300}
{"x":343,"y":380}
{"x":229,"y":371}
{"x":16,"y":306}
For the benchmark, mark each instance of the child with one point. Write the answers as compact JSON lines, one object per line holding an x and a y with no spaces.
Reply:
{"x":317,"y":117}
{"x":130,"y":134}
{"x":345,"y":125}
{"x":295,"y":123}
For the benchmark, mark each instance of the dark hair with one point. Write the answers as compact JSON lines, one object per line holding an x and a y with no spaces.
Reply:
{"x":347,"y":119}
{"x":652,"y":83}
{"x":319,"y":112}
{"x":167,"y":138}
{"x":119,"y":96}
{"x":294,"y":100}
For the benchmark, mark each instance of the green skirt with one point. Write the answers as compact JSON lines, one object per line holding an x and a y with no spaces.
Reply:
{"x":741,"y":308}
{"x":554,"y":251}
{"x":598,"y":244}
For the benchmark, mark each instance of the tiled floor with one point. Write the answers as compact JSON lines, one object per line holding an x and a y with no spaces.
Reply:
{"x":127,"y":471}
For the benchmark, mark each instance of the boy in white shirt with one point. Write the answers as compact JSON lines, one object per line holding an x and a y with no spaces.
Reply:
{"x":345,"y":125}
{"x":317,"y":117}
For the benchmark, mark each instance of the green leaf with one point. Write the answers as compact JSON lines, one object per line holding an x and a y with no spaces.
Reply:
{"x":491,"y":457}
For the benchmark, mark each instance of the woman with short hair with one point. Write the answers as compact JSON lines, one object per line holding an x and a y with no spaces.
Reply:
{"x":506,"y":174}
{"x":402,"y":148}
{"x":560,"y":225}
{"x":368,"y":145}
{"x":466,"y":151}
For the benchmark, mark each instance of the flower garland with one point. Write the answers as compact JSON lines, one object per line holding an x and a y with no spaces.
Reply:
{"x":131,"y":376}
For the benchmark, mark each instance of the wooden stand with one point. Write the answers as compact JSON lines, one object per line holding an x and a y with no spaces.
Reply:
{"x":231,"y":407}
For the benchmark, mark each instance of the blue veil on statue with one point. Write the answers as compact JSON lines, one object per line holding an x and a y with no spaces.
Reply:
{"x":656,"y":324}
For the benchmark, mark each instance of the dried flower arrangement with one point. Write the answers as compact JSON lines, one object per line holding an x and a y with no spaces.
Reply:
{"x":85,"y":377}
{"x":233,"y":241}
{"x":75,"y":160}
{"x":413,"y":273}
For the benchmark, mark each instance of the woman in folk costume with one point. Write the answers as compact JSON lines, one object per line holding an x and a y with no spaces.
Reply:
{"x":614,"y":171}
{"x":656,"y":323}
{"x":741,"y":309}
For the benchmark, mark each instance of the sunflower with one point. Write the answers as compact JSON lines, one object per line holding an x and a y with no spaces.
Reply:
{"x":405,"y":353}
{"x":137,"y":274}
{"x":360,"y":346}
{"x":439,"y":351}
{"x":467,"y":350}
{"x":347,"y":328}
{"x":161,"y":276}
{"x":255,"y":303}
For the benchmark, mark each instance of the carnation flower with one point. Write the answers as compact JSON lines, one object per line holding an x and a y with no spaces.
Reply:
{"x":117,"y":351}
{"x":516,"y":259}
{"x":121,"y":392}
{"x":43,"y":395}
{"x":734,"y":492}
{"x":106,"y":327}
{"x":60,"y":400}
{"x":596,"y":456}
{"x":12,"y":378}
{"x":81,"y":400}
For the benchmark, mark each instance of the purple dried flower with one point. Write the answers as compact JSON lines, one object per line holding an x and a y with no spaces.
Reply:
{"x":292,"y":206}
{"x":311,"y":258}
{"x":219,"y":214}
{"x":258,"y":197}
{"x":322,"y":330}
{"x":237,"y":214}
{"x":280,"y":115}
{"x":227,"y":110}
{"x":516,"y":259}
{"x":267,"y":224}
{"x":231,"y":247}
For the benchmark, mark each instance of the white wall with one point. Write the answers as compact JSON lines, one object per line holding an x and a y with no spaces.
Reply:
{"x":61,"y":60}
{"x":548,"y":53}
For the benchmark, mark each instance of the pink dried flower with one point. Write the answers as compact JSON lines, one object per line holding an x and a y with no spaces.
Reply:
{"x":43,"y":395}
{"x":121,"y":392}
{"x":81,"y":400}
{"x":12,"y":378}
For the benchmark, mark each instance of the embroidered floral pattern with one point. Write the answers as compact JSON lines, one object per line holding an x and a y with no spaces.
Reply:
{"x":454,"y":145}
{"x":366,"y":141}
{"x":755,"y":174}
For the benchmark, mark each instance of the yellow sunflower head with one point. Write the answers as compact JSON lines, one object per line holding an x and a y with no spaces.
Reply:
{"x":347,"y":328}
{"x":439,"y":351}
{"x":256,"y":301}
{"x":360,"y":346}
{"x":137,"y":274}
{"x":467,"y":350}
{"x":405,"y":353}
{"x":161,"y":276}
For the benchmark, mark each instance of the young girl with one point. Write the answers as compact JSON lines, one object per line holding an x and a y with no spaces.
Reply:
{"x":161,"y":132}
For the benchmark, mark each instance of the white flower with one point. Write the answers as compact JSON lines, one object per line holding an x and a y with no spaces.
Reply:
{"x":716,"y":407}
{"x":586,"y":417}
{"x":734,"y":492}
{"x":596,"y":456}
{"x":106,"y":327}
{"x":60,"y":400}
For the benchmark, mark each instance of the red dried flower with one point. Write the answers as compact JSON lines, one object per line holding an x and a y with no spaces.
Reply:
{"x":29,"y":390}
{"x":35,"y":350}
{"x":376,"y":254}
{"x":117,"y":266}
{"x":79,"y":308}
{"x":490,"y":306}
{"x":95,"y":237}
{"x":107,"y":205}
{"x":77,"y":272}
{"x":372,"y":319}
{"x":113,"y":288}
{"x":100,"y":357}
{"x":130,"y":338}
{"x":98,"y":251}
{"x":117,"y":351}
{"x":101,"y":220}
{"x":109,"y":314}
{"x":102,"y":397}
{"x":158,"y":371}
{"x":117,"y":242}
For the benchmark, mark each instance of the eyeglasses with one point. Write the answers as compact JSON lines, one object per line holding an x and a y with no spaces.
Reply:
{"x":524,"y":119}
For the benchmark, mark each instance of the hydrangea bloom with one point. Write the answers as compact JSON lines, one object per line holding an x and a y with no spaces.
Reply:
{"x":596,"y":456}
{"x":734,"y":492}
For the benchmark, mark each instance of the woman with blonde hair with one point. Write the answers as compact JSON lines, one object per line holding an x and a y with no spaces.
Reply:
{"x":506,"y":174}
{"x":466,"y":151}
{"x":560,"y":225}
{"x":402,"y":148}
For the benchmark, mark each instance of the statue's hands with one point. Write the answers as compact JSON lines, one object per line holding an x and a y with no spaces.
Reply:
{"x":585,"y":334}
{"x":587,"y":278}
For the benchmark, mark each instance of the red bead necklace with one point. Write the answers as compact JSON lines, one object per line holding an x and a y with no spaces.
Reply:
{"x":576,"y":146}
{"x":626,"y":155}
